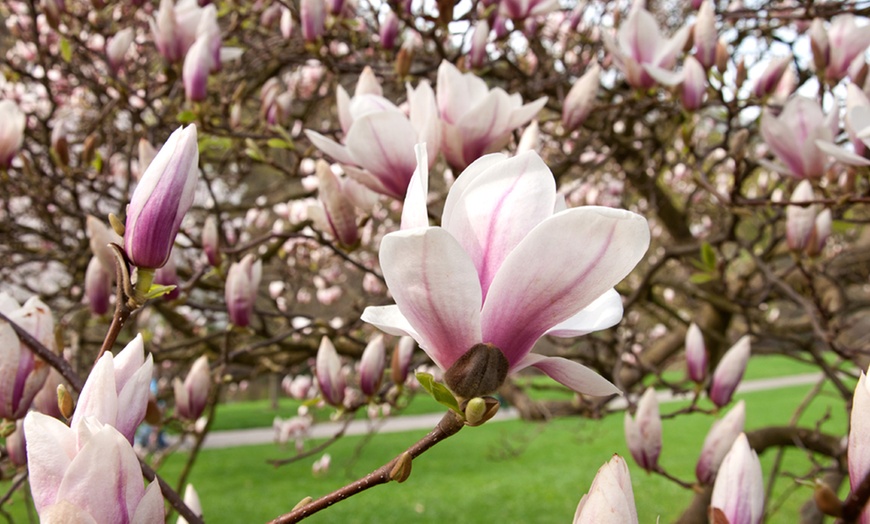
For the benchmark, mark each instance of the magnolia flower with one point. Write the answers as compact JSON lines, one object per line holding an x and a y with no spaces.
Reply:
{"x":705,"y":37}
{"x":22,"y":374}
{"x":99,"y":237}
{"x":389,"y":30}
{"x":857,"y":123}
{"x":504,"y":269}
{"x":793,"y":136}
{"x":243,"y":279}
{"x":477,"y":51}
{"x":330,"y":378}
{"x":610,"y":499}
{"x":162,"y":198}
{"x":769,"y":80}
{"x":198,"y":63}
{"x":312,"y":15}
{"x":578,"y":102}
{"x":729,"y":372}
{"x":475,"y":119}
{"x":191,"y":395}
{"x":739,"y":489}
{"x":372,"y":365}
{"x":522,"y":9}
{"x":86,"y":473}
{"x":640,"y":48}
{"x":175,"y":27}
{"x":117,"y":390}
{"x":859,"y":438}
{"x":834,"y":50}
{"x":718,"y":441}
{"x":12,"y":124}
{"x":379,"y":139}
{"x":696,"y":354}
{"x":643,"y":433}
{"x":117,"y":47}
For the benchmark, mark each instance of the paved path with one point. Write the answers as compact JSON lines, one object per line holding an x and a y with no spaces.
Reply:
{"x":246,"y":437}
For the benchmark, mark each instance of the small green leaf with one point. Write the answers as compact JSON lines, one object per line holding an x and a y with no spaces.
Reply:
{"x":186,"y":117}
{"x":278,"y":143}
{"x":97,"y":162}
{"x":438,"y":391}
{"x":701,"y":278}
{"x":65,"y":50}
{"x":158,"y":290}
{"x":708,"y":256}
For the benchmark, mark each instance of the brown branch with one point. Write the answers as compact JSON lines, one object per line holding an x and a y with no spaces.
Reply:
{"x":448,"y":426}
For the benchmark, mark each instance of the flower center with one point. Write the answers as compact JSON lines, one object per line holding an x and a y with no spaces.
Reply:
{"x":479,"y":371}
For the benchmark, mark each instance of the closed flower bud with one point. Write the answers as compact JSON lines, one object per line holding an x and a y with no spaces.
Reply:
{"x":22,"y":374}
{"x":859,"y":438}
{"x":99,"y":237}
{"x":60,"y":143}
{"x":46,"y":401}
{"x":694,"y":84}
{"x":401,"y":469}
{"x":643,"y":433}
{"x":313,"y":17}
{"x":211,"y":241}
{"x":401,"y":360}
{"x":581,"y":97}
{"x":820,"y":45}
{"x":98,"y":287}
{"x":389,"y":30}
{"x":719,"y":439}
{"x":162,"y":198}
{"x":530,"y":139}
{"x":191,"y":500}
{"x":769,"y":79}
{"x":243,"y":279}
{"x":739,"y":489}
{"x":372,"y":365}
{"x":729,"y":372}
{"x":168,"y":276}
{"x":337,"y":206}
{"x":330,"y":378}
{"x":12,"y":123}
{"x":705,"y":36}
{"x":610,"y":499}
{"x":198,"y":63}
{"x":191,"y":396}
{"x":117,"y":47}
{"x":822,"y":230}
{"x":286,"y":23}
{"x":800,"y":220}
{"x":477,"y":52}
{"x":696,"y":354}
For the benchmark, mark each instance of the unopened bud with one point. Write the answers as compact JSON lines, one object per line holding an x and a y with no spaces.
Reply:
{"x":88,"y":148}
{"x":826,"y":500}
{"x":65,"y":401}
{"x":302,"y":503}
{"x":153,"y":415}
{"x":479,"y":371}
{"x":117,"y":225}
{"x":479,"y":410}
{"x":401,"y":470}
{"x":403,"y":61}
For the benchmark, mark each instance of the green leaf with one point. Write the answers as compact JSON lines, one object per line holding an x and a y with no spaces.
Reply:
{"x":186,"y":117}
{"x":158,"y":290}
{"x":97,"y":162}
{"x":701,"y":278}
{"x":438,"y":391}
{"x":220,"y":143}
{"x":65,"y":50}
{"x":708,"y":256}
{"x":278,"y":143}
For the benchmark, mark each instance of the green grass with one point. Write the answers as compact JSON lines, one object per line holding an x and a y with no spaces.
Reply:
{"x":509,"y":471}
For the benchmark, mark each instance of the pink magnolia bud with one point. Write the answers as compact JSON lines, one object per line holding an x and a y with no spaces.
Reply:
{"x":848,"y":41}
{"x":313,"y":16}
{"x":340,"y":211}
{"x":98,"y":287}
{"x":327,"y":369}
{"x":739,"y":488}
{"x":820,"y":45}
{"x":477,"y":52}
{"x":706,"y":38}
{"x":859,"y":438}
{"x":22,"y":374}
{"x":117,"y":47}
{"x":243,"y":279}
{"x":696,"y":354}
{"x":162,"y":198}
{"x":610,"y":499}
{"x":729,"y":372}
{"x":86,"y":473}
{"x":192,"y":395}
{"x":719,"y":440}
{"x":372,"y":365}
{"x":46,"y":400}
{"x":336,"y":6}
{"x":578,"y":104}
{"x":286,"y":24}
{"x":198,"y":63}
{"x":821,"y":231}
{"x":191,"y":500}
{"x":769,"y":79}
{"x":99,"y":237}
{"x":16,"y":445}
{"x":694,"y":84}
{"x":389,"y":30}
{"x":117,"y":390}
{"x":643,"y":434}
{"x":211,"y":241}
{"x":530,"y":140}
{"x":401,"y":360}
{"x":800,"y":220}
{"x":12,"y":123}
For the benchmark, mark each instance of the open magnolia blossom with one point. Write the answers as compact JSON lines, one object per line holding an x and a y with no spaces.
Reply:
{"x":508,"y":265}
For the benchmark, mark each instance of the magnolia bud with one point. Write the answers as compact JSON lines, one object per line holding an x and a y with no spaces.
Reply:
{"x":696,"y":354}
{"x":800,"y":220}
{"x":11,"y":132}
{"x":243,"y":279}
{"x":372,"y":365}
{"x":729,"y":372}
{"x":401,"y":469}
{"x":578,"y":104}
{"x":65,"y":401}
{"x":98,"y":287}
{"x":643,"y":434}
{"x":389,"y":30}
{"x":191,"y":396}
{"x":401,"y":360}
{"x":330,"y":378}
{"x":211,"y":241}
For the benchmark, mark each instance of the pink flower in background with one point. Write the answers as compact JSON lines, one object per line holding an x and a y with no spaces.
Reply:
{"x":792,"y":136}
{"x":116,"y":392}
{"x":312,"y":14}
{"x":771,"y":76}
{"x":22,"y":374}
{"x":16,"y":444}
{"x":859,"y":438}
{"x":610,"y":499}
{"x":330,"y":378}
{"x":834,"y":50}
{"x":243,"y":280}
{"x":117,"y":47}
{"x":643,"y":433}
{"x":578,"y":103}
{"x":521,"y":9}
{"x":191,"y":395}
{"x":372,"y":366}
{"x":86,"y":473}
{"x":729,"y":372}
{"x":739,"y":489}
{"x":696,"y":354}
{"x":378,"y":149}
{"x":639,"y":47}
{"x":507,"y":266}
{"x":800,"y":221}
{"x":718,"y":441}
{"x":12,"y":124}
{"x":475,"y":119}
{"x":176,"y":26}
{"x":98,"y":287}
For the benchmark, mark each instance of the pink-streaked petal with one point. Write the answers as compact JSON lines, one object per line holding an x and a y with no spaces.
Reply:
{"x":781,"y":141}
{"x":481,"y":126}
{"x":134,"y":399}
{"x":435,"y":286}
{"x":50,"y":450}
{"x":99,"y":397}
{"x":150,"y":508}
{"x":666,"y":55}
{"x":342,"y":100}
{"x":415,"y":212}
{"x":640,"y":37}
{"x":383,"y":144}
{"x":664,"y":76}
{"x":457,"y":190}
{"x":330,"y":147}
{"x":9,"y":358}
{"x":842,"y":155}
{"x":390,"y":320}
{"x":424,"y":118}
{"x":457,"y":93}
{"x":604,"y":312}
{"x":65,"y":513}
{"x":562,"y":265}
{"x":497,"y":209}
{"x":570,"y":374}
{"x":129,"y":360}
{"x":525,"y":113}
{"x":362,"y":105}
{"x":366,"y":179}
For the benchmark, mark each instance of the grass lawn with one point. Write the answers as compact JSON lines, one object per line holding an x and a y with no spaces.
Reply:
{"x":509,"y":471}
